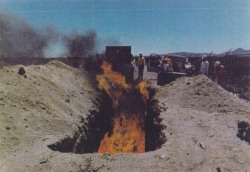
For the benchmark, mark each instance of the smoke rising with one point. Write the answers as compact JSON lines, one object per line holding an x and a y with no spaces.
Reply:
{"x":82,"y":45}
{"x":19,"y":39}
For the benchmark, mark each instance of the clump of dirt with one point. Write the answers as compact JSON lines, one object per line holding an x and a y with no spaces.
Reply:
{"x":21,"y":71}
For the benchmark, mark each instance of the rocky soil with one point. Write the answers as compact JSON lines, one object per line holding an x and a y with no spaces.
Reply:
{"x":50,"y":102}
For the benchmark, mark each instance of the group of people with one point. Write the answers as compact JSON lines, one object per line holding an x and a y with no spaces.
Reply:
{"x":219,"y":69}
{"x":167,"y":64}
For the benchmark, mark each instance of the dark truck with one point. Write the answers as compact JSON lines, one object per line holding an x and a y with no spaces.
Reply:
{"x":120,"y":57}
{"x":181,"y":67}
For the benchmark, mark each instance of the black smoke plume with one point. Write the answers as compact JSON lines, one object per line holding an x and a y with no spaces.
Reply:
{"x":82,"y":45}
{"x":19,"y":39}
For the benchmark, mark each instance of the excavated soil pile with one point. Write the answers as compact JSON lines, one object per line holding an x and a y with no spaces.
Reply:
{"x":52,"y":102}
{"x":202,"y":121}
{"x":40,"y":107}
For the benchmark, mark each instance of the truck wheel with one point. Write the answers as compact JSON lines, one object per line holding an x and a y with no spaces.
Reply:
{"x":189,"y":73}
{"x":159,"y":79}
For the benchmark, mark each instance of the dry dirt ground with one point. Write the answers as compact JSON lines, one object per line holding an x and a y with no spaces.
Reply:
{"x":48,"y":103}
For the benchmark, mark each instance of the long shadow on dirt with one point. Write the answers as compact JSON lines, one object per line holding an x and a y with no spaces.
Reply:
{"x":244,"y":131}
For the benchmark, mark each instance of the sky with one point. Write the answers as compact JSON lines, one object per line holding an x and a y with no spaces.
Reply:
{"x":159,"y":26}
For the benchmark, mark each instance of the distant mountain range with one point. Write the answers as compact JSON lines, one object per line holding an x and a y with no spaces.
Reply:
{"x":238,"y":51}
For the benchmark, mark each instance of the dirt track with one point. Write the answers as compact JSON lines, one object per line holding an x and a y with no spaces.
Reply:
{"x":46,"y":106}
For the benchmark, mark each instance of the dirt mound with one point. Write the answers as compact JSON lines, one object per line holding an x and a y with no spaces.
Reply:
{"x":48,"y":103}
{"x":202,"y":124}
{"x":201,"y":93}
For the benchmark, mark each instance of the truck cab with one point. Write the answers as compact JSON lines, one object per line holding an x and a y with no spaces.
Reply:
{"x":121,"y":57}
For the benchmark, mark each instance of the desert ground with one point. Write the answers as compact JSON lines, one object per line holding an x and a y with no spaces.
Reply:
{"x":54,"y":101}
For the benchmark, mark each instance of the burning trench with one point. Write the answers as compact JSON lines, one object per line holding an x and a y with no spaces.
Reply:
{"x":128,"y":120}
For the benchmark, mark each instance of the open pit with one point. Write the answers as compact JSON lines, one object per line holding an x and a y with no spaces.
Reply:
{"x":127,"y":122}
{"x":102,"y":124}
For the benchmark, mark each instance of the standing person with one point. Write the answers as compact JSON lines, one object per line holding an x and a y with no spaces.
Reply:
{"x":134,"y":67}
{"x":219,"y":72}
{"x":141,"y":64}
{"x":204,"y":65}
{"x":167,"y":63}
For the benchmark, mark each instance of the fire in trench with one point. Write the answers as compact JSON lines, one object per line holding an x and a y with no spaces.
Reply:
{"x":127,"y":134}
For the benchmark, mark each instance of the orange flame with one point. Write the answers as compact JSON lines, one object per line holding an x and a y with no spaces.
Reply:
{"x":128,"y":136}
{"x":112,"y":82}
{"x":142,"y":86}
{"x":128,"y":133}
{"x":111,"y":79}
